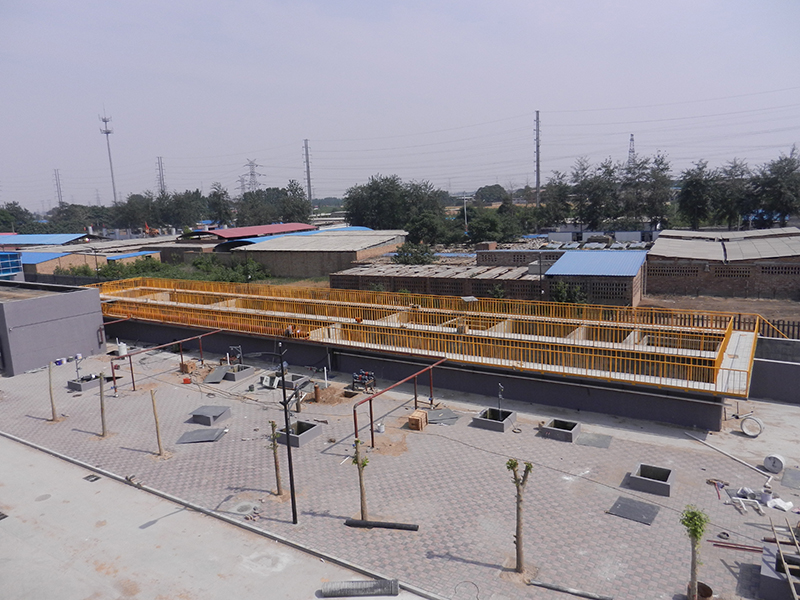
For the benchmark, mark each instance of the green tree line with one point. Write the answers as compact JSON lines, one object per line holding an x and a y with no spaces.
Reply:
{"x":178,"y":209}
{"x":639,"y":193}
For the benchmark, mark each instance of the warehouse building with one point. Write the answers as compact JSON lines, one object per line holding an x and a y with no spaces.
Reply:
{"x":750,"y":264}
{"x":604,"y":277}
{"x":321,"y":253}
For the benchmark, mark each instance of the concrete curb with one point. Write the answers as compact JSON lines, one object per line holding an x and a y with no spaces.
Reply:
{"x":330,"y":558}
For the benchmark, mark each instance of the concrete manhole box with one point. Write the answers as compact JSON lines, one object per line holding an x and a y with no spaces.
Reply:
{"x":651,"y":479}
{"x":300,"y":433}
{"x":559,"y":429}
{"x":495,"y":419}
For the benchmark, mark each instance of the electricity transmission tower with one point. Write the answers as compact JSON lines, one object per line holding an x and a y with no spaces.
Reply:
{"x":242,"y":187}
{"x":57,"y":179}
{"x":631,"y":153}
{"x":253,"y":184}
{"x":107,"y":131}
{"x":160,"y":182}
{"x":308,"y":170}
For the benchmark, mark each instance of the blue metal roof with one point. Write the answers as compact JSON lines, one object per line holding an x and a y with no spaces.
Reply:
{"x":34,"y":258}
{"x":42,"y":239}
{"x":132,"y":254}
{"x":222,"y":247}
{"x":604,"y":263}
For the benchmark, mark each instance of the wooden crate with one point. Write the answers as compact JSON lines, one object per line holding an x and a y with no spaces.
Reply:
{"x":188,"y":367}
{"x":417,"y":420}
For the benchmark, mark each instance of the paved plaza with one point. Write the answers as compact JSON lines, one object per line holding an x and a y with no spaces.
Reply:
{"x":451,"y":480}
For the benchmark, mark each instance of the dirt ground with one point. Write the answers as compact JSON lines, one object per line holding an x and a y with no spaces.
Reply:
{"x":787,"y":310}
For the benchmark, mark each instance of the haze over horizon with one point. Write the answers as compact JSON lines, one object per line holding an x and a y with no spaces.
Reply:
{"x":443,"y":90}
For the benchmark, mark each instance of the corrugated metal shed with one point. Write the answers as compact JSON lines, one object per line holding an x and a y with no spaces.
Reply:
{"x":229,"y":245}
{"x":730,"y":235}
{"x":326,"y":241}
{"x":130,"y":255}
{"x":601,"y":263}
{"x":44,"y":239}
{"x":260,"y":230}
{"x":687,"y":249}
{"x":35,"y":258}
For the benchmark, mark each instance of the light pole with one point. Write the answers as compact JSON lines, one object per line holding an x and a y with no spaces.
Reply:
{"x":285,"y":403}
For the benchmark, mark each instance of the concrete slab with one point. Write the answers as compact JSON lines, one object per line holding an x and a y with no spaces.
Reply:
{"x":71,"y":539}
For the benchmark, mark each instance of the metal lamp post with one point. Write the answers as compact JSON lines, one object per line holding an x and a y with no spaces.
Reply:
{"x":285,"y":404}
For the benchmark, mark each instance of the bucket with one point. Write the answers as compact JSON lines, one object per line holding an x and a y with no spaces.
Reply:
{"x":380,"y":427}
{"x":187,"y":380}
{"x":766,"y":495}
{"x":60,"y":361}
{"x":703,"y":590}
{"x":79,"y":357}
{"x":122,"y":349}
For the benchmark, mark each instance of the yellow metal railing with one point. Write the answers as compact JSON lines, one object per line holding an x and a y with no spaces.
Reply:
{"x":660,"y":317}
{"x":666,"y":348}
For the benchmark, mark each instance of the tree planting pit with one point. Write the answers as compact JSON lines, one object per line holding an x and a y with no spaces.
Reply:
{"x":300,"y":433}
{"x":651,"y":479}
{"x":239,"y":372}
{"x":495,"y":419}
{"x":558,"y":429}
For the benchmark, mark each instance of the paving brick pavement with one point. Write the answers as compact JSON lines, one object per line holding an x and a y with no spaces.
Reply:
{"x":451,"y":480}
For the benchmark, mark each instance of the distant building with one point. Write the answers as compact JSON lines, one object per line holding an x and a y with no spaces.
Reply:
{"x":604,"y":277}
{"x":761,"y":263}
{"x":319,"y":253}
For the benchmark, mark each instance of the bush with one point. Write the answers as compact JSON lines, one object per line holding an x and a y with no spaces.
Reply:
{"x":413,"y":254}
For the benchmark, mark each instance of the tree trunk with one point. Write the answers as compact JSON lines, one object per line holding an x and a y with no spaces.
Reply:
{"x":360,"y":464}
{"x":520,"y":568}
{"x":693,"y":579}
{"x":274,"y":426}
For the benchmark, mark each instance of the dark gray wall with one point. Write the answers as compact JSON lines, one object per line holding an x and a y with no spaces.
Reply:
{"x":698,"y":411}
{"x":775,"y":380}
{"x":41,"y":329}
{"x":778,"y":349}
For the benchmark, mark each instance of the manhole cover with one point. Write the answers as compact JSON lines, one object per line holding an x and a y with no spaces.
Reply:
{"x":244,"y":508}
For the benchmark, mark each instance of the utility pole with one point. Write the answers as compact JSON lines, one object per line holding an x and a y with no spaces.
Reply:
{"x":538,"y":164}
{"x":160,"y":183}
{"x":58,"y":187}
{"x":308,"y":170}
{"x":107,"y":131}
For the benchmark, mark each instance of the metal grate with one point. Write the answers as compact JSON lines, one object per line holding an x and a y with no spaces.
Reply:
{"x":92,"y":477}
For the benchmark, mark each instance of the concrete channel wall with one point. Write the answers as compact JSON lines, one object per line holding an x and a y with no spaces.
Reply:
{"x":776,"y":370}
{"x":637,"y":402}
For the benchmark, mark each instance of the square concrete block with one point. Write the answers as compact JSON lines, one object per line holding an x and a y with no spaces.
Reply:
{"x":86,"y":382}
{"x":300,"y":433}
{"x":293,"y":381}
{"x":651,"y":479}
{"x":239,"y":372}
{"x":495,"y":419}
{"x":558,"y":429}
{"x":208,"y":415}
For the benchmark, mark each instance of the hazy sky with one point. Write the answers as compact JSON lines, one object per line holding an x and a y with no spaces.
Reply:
{"x":435,"y":90}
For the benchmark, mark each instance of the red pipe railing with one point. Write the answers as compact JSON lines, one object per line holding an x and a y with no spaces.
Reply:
{"x":375,"y":395}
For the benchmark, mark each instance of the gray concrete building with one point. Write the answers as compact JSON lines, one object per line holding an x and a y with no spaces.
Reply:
{"x":41,"y":323}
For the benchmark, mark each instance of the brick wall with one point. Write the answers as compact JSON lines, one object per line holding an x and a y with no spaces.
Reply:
{"x":778,"y":278}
